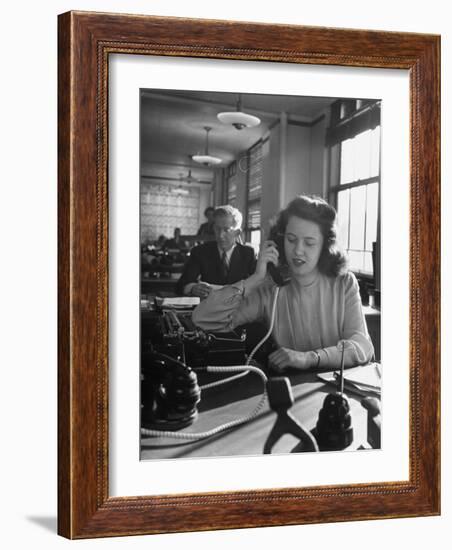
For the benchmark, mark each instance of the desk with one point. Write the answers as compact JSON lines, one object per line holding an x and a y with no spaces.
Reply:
{"x":373,"y":321}
{"x":238,"y":398}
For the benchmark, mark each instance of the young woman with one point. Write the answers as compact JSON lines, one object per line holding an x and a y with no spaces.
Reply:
{"x":317,"y":312}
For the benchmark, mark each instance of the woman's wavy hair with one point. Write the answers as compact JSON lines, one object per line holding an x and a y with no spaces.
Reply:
{"x":332,"y":260}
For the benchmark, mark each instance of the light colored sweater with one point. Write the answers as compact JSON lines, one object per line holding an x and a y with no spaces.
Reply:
{"x":319,"y":316}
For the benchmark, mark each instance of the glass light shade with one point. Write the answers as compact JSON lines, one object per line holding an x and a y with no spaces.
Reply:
{"x":180,"y":191}
{"x":238,"y":119}
{"x":207,"y":160}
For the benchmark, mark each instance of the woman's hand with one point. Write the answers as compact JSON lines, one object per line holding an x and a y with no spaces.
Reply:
{"x":283,"y":358}
{"x":202,"y":290}
{"x":267,"y":253}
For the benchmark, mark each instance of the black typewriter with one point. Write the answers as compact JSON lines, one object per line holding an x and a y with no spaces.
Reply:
{"x":176,"y":335}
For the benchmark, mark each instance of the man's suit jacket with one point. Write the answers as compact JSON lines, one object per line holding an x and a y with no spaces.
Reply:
{"x":205,"y":264}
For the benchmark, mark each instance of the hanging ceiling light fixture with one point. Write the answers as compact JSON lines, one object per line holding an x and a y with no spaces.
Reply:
{"x":180,"y":190}
{"x":189,"y":178}
{"x":206,"y":159}
{"x":239,"y":119}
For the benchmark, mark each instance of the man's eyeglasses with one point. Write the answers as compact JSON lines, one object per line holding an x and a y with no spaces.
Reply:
{"x":227,"y":230}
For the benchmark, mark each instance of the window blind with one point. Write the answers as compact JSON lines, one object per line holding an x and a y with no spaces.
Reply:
{"x":255,"y":177}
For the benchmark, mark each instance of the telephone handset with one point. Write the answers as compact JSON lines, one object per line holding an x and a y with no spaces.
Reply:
{"x":280,"y":273}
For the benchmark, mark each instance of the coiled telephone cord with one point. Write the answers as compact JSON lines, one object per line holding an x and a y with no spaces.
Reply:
{"x":253,"y":352}
{"x":222,"y":427}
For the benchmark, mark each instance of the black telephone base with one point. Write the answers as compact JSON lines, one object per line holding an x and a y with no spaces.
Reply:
{"x":160,"y":424}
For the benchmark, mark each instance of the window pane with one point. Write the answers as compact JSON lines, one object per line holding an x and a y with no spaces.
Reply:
{"x":356,"y":260}
{"x":357,"y":217}
{"x":254,"y":215}
{"x":162,"y":210}
{"x":255,"y":238}
{"x":255,"y":172}
{"x":343,"y":202}
{"x":347,"y":161}
{"x":362,"y":155}
{"x":375,"y":152}
{"x":371,"y":215}
{"x":232,"y":184}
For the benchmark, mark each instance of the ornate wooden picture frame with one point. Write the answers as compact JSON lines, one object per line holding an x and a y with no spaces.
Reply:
{"x":86,"y":40}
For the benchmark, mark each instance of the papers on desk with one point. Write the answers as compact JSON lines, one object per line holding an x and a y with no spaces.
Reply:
{"x":364,"y":380}
{"x":182,"y":302}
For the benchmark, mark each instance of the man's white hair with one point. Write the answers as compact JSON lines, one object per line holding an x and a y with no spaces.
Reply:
{"x":228,"y":210}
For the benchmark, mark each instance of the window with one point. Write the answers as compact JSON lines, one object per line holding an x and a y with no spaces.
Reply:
{"x":254,"y":194}
{"x":231,"y":176}
{"x":255,"y":239}
{"x":162,"y":210}
{"x":355,"y":175}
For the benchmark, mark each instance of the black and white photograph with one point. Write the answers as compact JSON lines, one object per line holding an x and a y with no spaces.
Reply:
{"x":260,"y":286}
{"x":225,"y":269}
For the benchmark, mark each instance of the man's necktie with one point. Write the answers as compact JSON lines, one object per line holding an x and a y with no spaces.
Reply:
{"x":224,"y":265}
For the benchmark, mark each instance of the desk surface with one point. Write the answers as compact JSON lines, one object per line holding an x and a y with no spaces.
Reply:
{"x":238,"y":398}
{"x":161,"y":280}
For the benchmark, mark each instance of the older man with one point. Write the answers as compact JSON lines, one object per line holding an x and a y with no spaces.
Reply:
{"x":220,"y":262}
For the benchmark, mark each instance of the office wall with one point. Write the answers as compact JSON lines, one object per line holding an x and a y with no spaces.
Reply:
{"x":304,"y":166}
{"x":318,"y":166}
{"x":298,"y":162}
{"x":306,"y":170}
{"x":271,"y":178}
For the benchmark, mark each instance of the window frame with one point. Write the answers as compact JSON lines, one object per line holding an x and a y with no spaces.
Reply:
{"x":335,"y":166}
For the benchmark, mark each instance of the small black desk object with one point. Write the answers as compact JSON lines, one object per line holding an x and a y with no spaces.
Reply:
{"x":280,"y":397}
